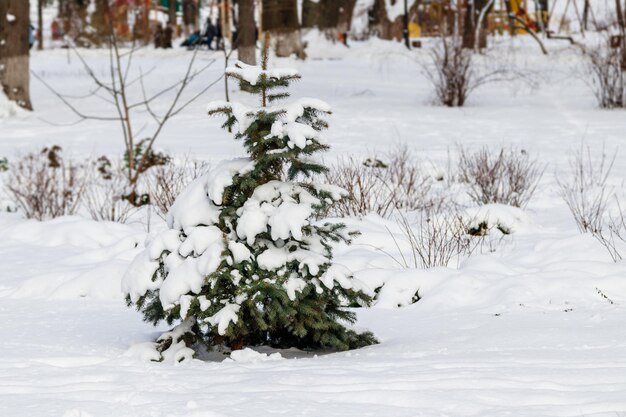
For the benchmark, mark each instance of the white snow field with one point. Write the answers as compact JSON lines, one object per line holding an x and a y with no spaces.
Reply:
{"x":536,"y":328}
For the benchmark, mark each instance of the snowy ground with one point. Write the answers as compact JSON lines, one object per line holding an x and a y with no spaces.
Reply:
{"x":525,"y":331}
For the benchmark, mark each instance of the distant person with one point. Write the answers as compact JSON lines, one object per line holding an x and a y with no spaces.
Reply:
{"x":158,"y":36}
{"x":192,"y":40}
{"x":168,"y":33}
{"x":31,"y":35}
{"x":235,"y":37}
{"x":343,"y":38}
{"x":55,"y":29}
{"x":218,"y":37}
{"x":210,"y":31}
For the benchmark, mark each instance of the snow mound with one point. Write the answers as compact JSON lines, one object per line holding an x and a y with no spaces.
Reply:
{"x":521,"y":271}
{"x":196,"y":413}
{"x":76,"y":413}
{"x":145,"y":352}
{"x":68,"y":231}
{"x":318,"y":46}
{"x":507,"y":219}
{"x":8,"y":108}
{"x":75,"y":258}
{"x":248,"y":355}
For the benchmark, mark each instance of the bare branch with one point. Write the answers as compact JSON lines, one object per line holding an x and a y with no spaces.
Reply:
{"x":185,"y":81}
{"x":70,"y":105}
{"x":195,"y":97}
{"x":171,"y":87}
{"x":90,"y":72}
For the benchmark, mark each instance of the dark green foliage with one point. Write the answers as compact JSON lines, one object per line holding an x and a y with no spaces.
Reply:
{"x":311,"y":317}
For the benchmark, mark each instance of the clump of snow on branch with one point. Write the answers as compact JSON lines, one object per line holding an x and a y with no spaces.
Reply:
{"x":253,"y":73}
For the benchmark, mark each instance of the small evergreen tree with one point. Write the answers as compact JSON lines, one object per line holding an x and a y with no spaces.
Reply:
{"x":244,"y":262}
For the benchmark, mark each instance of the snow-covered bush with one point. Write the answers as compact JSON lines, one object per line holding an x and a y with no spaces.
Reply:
{"x":243,"y":262}
{"x":382,"y":185}
{"x":506,"y":176}
{"x":46,"y":185}
{"x":166,"y":182}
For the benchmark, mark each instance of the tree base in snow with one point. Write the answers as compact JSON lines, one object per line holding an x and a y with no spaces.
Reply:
{"x":182,"y":343}
{"x":288,"y":43}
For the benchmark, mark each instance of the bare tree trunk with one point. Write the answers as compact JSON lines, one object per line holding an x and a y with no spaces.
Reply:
{"x":225,"y":20}
{"x":333,"y":15}
{"x":40,"y":25}
{"x":482,"y":25}
{"x":310,"y":13}
{"x":14,"y":46}
{"x":328,"y":17}
{"x":101,"y":19}
{"x":171,"y":12}
{"x":511,"y":16}
{"x":467,"y":10}
{"x":472,"y":14}
{"x":545,"y":15}
{"x":246,"y":35}
{"x":280,"y":18}
{"x":190,"y":16}
{"x":622,"y":28}
{"x":385,"y":28}
{"x":64,"y":16}
{"x":346,"y":10}
{"x":329,"y":14}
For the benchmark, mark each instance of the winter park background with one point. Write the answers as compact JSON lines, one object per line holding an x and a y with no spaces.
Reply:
{"x":491,"y":234}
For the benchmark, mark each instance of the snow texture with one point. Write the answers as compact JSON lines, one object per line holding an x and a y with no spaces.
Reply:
{"x":535,"y":328}
{"x":8,"y":108}
{"x":248,"y":355}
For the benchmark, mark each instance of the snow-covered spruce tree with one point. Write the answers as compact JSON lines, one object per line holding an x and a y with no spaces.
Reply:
{"x":244,"y":262}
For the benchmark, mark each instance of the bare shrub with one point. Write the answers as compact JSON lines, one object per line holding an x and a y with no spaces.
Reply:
{"x":119,"y":86}
{"x":453,"y":72}
{"x":615,"y":241}
{"x":365,"y":192}
{"x":106,"y":195}
{"x":165,"y":182}
{"x":508,"y":176}
{"x":588,"y":193}
{"x":586,"y":190}
{"x":377,"y":186}
{"x":606,"y":75}
{"x":437,"y":239}
{"x":45,"y":185}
